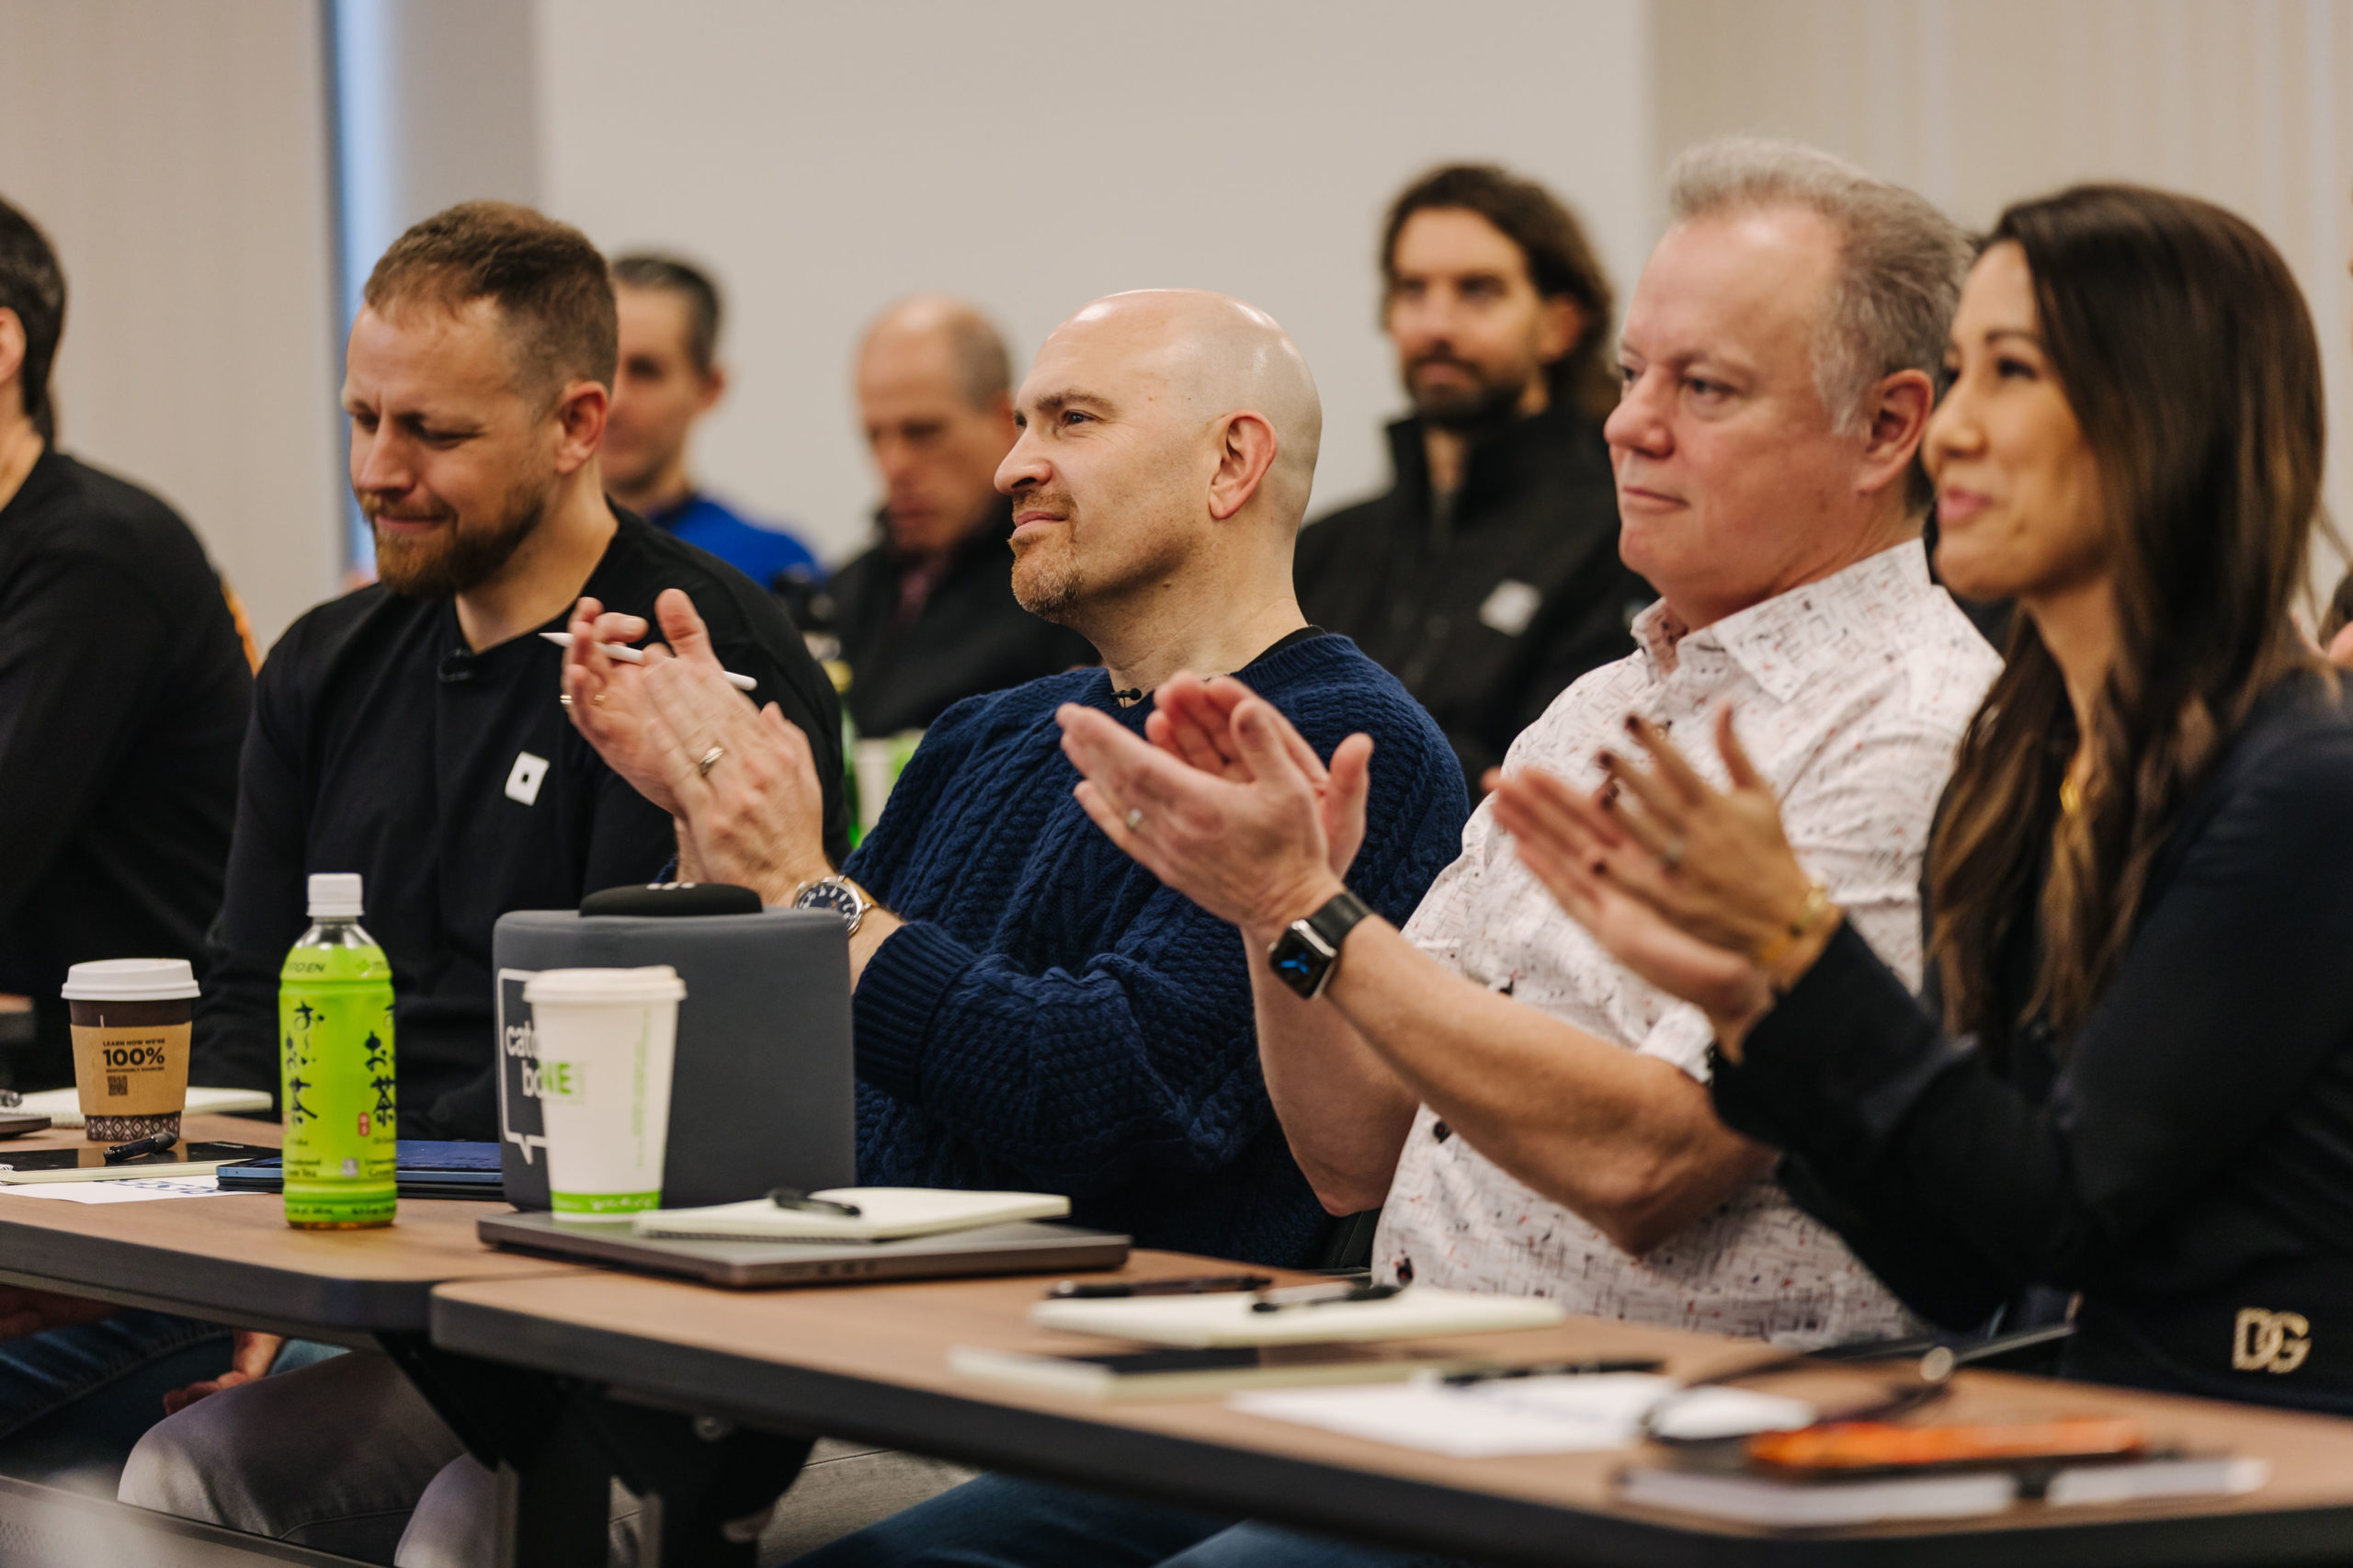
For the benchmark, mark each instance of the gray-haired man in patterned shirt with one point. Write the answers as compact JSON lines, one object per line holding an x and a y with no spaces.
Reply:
{"x":1533,"y":1116}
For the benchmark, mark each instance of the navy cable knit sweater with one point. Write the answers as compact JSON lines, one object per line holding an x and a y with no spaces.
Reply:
{"x":1051,"y":1018}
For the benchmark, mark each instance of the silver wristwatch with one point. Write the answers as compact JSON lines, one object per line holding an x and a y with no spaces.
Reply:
{"x":836,"y":893}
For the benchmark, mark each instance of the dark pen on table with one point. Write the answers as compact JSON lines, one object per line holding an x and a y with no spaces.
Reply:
{"x":140,"y":1147}
{"x":1191,"y":1285}
{"x":1553,"y":1369}
{"x":1270,"y":1303}
{"x":794,"y":1198}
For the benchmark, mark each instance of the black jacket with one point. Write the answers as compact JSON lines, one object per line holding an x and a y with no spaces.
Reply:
{"x":1488,"y":618}
{"x":124,"y":688}
{"x":972,"y":635}
{"x":455,"y":787}
{"x":2183,"y":1160}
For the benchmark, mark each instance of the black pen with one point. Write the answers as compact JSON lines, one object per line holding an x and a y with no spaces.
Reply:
{"x":1192,"y":1285}
{"x":1354,"y":1294}
{"x":794,"y":1198}
{"x":1554,"y":1369}
{"x":139,"y":1147}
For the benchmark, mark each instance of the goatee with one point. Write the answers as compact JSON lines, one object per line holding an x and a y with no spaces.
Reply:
{"x":460,"y":555}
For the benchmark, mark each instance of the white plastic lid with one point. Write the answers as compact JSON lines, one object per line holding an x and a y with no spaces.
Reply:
{"x":335,"y":895}
{"x":130,"y":979}
{"x":654,"y":982}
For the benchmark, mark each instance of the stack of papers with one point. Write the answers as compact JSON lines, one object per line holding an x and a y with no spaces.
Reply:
{"x":63,"y":1106}
{"x":1523,"y":1416}
{"x":884,"y":1214}
{"x":129,"y":1189}
{"x":1417,"y":1311}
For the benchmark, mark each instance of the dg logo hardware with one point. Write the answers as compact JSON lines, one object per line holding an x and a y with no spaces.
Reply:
{"x":2270,"y":1342}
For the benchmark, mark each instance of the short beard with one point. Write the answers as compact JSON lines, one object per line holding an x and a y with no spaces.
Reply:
{"x":464,"y":556}
{"x":1484,"y":405}
{"x":1047,"y":585}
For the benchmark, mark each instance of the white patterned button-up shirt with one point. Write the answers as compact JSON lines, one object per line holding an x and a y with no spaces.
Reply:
{"x":1850,"y":696}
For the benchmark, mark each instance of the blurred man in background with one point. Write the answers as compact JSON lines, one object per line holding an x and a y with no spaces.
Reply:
{"x":124,"y":683}
{"x":669,"y":378}
{"x":927,"y":618}
{"x":1488,"y":578}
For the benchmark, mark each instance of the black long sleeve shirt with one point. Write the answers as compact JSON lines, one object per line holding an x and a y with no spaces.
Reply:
{"x":2185,"y":1157}
{"x":455,"y":785}
{"x":1487,"y":613}
{"x":970,"y":636}
{"x":124,"y":688}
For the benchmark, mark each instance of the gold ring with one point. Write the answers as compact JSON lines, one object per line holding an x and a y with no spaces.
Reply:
{"x":709,"y":760}
{"x":1672,"y":856}
{"x":1135,"y":818}
{"x":564,"y":697}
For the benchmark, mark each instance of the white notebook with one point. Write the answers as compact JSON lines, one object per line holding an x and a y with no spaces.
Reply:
{"x":1417,"y":1311}
{"x":63,"y":1106}
{"x":884,"y":1214}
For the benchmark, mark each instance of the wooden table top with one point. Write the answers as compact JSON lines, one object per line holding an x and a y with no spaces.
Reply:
{"x":869,"y":1362}
{"x":234,"y":1259}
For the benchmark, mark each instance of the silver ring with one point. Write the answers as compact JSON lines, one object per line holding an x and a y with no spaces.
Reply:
{"x":563,"y":698}
{"x":709,"y":760}
{"x":1135,"y":818}
{"x":1672,"y":856}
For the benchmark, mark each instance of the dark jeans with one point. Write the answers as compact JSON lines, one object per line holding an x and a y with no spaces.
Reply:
{"x":84,"y":1395}
{"x":998,"y":1521}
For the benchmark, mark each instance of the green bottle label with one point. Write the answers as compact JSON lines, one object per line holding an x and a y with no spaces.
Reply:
{"x":335,"y":1026}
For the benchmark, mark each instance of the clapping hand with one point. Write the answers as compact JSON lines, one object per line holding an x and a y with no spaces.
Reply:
{"x":1192,"y":719}
{"x":1244,"y":839}
{"x":741,"y":780}
{"x":1686,"y":884}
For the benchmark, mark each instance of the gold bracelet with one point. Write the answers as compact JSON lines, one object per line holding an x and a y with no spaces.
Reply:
{"x":1809,"y":915}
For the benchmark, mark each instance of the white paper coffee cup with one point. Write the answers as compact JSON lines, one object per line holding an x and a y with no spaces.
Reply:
{"x":607,"y":1040}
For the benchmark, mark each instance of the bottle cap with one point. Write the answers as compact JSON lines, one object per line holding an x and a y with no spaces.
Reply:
{"x":130,"y":979}
{"x":335,"y":895}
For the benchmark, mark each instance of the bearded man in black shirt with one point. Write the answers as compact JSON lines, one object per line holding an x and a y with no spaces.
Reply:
{"x":410,"y":730}
{"x":1488,"y":578}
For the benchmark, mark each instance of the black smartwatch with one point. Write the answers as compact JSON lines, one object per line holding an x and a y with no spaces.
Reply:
{"x":1306,"y":953}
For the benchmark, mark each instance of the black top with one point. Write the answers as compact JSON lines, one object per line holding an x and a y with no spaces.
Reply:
{"x":1487,"y":613}
{"x":457,"y":787}
{"x":123,"y":692}
{"x":2186,"y":1158}
{"x":970,"y":636}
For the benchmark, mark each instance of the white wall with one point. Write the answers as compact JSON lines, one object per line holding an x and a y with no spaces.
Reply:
{"x":827,"y":158}
{"x":177,"y":157}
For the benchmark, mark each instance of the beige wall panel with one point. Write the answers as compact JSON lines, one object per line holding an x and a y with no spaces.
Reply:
{"x":176,"y":157}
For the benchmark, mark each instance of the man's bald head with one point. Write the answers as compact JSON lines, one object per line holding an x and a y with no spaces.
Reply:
{"x":1215,"y":356}
{"x":952,"y":329}
{"x":935,"y":397}
{"x":1167,"y":447}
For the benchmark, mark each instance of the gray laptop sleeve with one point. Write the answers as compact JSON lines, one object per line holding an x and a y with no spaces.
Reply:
{"x":762,"y":1095}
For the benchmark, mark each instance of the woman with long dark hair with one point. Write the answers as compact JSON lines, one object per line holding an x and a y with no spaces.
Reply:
{"x":2131,"y":1074}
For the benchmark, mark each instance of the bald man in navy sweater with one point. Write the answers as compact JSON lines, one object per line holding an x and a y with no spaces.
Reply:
{"x":1032,"y":1009}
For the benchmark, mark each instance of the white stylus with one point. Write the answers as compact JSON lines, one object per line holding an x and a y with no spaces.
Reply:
{"x":629,"y":655}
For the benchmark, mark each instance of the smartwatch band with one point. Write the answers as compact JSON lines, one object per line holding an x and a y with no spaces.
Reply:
{"x":1304,"y":956}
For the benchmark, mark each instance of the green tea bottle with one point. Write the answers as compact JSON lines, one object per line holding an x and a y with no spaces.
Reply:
{"x":334,"y":1026}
